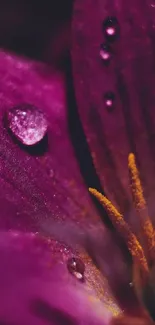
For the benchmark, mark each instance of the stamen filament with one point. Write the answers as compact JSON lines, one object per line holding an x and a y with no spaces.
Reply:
{"x":141,"y":208}
{"x":118,"y":221}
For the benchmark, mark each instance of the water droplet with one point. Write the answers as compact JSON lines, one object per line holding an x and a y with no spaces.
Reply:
{"x":76,"y":267}
{"x":27,"y":123}
{"x":109,"y":98}
{"x":105,"y":52}
{"x":111,"y":28}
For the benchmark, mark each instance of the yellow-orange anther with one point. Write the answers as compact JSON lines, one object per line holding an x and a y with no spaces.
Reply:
{"x":136,"y":187}
{"x":140,"y":205}
{"x":118,"y":221}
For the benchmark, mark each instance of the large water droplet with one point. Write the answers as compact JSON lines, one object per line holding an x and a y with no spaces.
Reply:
{"x":76,"y":267}
{"x":109,"y":98}
{"x":111,"y":28}
{"x":27,"y":123}
{"x":105,"y":52}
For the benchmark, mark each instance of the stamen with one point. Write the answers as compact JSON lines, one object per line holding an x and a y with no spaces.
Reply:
{"x":117,"y":219}
{"x":141,"y":208}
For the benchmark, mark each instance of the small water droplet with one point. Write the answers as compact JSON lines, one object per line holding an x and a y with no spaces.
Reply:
{"x":111,"y":28}
{"x":76,"y":267}
{"x":105,"y":52}
{"x":27,"y":123}
{"x":109,"y":98}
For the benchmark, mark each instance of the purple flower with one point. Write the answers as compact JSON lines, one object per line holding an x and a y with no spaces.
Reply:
{"x":59,"y":263}
{"x":113,"y":68}
{"x":45,"y":212}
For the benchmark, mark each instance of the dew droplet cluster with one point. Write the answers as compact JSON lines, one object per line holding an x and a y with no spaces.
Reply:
{"x":111,"y":31}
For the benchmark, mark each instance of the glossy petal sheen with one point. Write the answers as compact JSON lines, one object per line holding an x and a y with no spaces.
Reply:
{"x":43,"y":191}
{"x":130,"y":127}
{"x":36,"y":288}
{"x":34,"y":186}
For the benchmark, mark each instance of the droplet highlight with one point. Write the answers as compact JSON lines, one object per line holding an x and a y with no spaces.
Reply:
{"x":109,"y":98}
{"x":105,"y":53}
{"x":111,"y":28}
{"x":76,"y":267}
{"x":27,"y":123}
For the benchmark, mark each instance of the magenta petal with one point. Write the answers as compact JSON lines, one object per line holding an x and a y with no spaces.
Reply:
{"x":40,"y":192}
{"x":130,"y":75}
{"x":36,"y":287}
{"x":36,"y":188}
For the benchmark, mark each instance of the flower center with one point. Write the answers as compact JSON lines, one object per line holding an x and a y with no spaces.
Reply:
{"x":143,"y":251}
